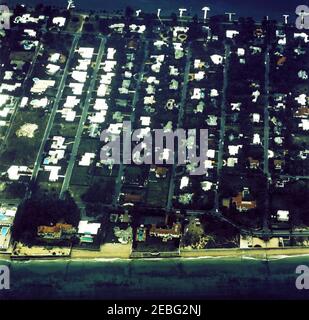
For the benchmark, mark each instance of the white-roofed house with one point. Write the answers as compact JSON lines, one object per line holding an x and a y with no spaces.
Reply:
{"x":86,"y":159}
{"x":283,"y":215}
{"x":59,"y":21}
{"x":88,"y":231}
{"x":86,"y":53}
{"x":54,"y":172}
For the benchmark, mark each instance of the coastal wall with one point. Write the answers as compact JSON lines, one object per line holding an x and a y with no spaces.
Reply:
{"x":119,"y":251}
{"x":256,"y":252}
{"x":39,"y":257}
{"x":147,"y":254}
{"x":5,"y":255}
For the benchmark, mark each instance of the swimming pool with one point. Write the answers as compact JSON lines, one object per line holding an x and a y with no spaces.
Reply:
{"x":4,"y":231}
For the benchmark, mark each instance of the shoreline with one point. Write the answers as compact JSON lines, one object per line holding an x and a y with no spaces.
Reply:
{"x":259,"y":254}
{"x":194,"y":7}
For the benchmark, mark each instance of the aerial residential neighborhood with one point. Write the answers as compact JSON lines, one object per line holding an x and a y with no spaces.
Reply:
{"x":66,"y":76}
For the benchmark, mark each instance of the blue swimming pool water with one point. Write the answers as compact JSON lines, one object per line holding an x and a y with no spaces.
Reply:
{"x":4,"y":231}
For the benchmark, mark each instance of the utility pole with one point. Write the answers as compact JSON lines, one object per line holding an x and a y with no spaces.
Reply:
{"x":71,"y":5}
{"x":205,"y":10}
{"x":158,"y":15}
{"x":286,"y":16}
{"x":230,"y":14}
{"x":181,"y":11}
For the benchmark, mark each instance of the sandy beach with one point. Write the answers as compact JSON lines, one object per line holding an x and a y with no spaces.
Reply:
{"x":107,"y":251}
{"x":21,"y":250}
{"x":120,"y":251}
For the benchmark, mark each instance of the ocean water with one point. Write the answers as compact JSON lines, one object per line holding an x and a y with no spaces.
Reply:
{"x":211,"y":278}
{"x":256,"y":9}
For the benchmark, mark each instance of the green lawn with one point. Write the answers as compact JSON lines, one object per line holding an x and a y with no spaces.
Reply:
{"x":23,"y":150}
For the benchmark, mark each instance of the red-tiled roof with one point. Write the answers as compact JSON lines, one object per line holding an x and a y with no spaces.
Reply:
{"x":281,"y":61}
{"x":55,"y":229}
{"x":175,"y":230}
{"x":302,"y":112}
{"x":241,"y":204}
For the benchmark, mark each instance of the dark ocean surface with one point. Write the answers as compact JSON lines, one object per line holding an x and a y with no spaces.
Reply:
{"x":237,"y":278}
{"x":256,"y":9}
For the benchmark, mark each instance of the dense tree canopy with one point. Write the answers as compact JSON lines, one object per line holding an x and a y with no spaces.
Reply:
{"x":43,"y":210}
{"x":98,"y":193}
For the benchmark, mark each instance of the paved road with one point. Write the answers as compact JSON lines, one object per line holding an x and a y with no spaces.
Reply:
{"x":266,"y":113}
{"x":295,"y":177}
{"x":53,"y":113}
{"x":266,"y":136}
{"x":216,"y":211}
{"x":179,"y":125}
{"x":183,"y":19}
{"x":222,"y":120}
{"x":132,"y":119}
{"x":68,"y":174}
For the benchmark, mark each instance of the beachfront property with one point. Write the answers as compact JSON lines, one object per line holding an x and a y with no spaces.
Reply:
{"x":57,"y":232}
{"x":87,"y":231}
{"x":166,"y":234}
{"x":253,"y":242}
